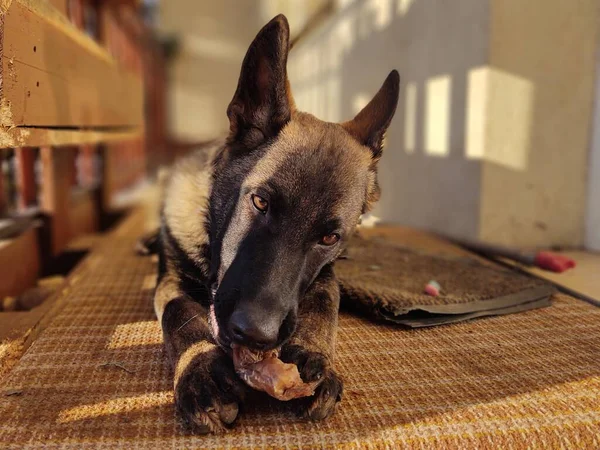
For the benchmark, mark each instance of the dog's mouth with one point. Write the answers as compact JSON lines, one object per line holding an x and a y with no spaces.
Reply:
{"x":261,"y":370}
{"x":222,"y":338}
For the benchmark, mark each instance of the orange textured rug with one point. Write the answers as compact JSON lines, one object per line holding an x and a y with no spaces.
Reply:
{"x":97,"y":376}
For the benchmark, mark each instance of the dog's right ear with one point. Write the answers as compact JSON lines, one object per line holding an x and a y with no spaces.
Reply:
{"x":262,"y":103}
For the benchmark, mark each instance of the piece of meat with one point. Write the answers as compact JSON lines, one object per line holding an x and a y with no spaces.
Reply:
{"x":264,"y":371}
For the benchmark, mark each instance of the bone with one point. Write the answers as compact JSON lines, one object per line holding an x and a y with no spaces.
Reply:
{"x":265,"y":372}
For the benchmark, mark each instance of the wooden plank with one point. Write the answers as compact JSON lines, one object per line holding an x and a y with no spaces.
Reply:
{"x":2,"y":193}
{"x":76,"y":13}
{"x":124,"y":164}
{"x":88,"y":170}
{"x":60,"y":5}
{"x":72,"y":212}
{"x":54,"y":75}
{"x":40,"y":137}
{"x":83,"y":217}
{"x":20,"y":263}
{"x":26,"y":176}
{"x":56,"y":193}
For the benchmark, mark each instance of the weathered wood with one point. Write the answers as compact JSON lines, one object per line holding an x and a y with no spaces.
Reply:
{"x":2,"y":194}
{"x":26,"y":176}
{"x":76,"y":14}
{"x":3,"y":8}
{"x":83,"y":216}
{"x":20,"y":263}
{"x":57,"y":164}
{"x":88,"y":170}
{"x":60,"y":5}
{"x":55,"y":75}
{"x":39,"y":137}
{"x":72,"y":212}
{"x":124,"y":165}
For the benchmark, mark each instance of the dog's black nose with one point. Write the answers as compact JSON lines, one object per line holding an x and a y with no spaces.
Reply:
{"x":252,"y":333}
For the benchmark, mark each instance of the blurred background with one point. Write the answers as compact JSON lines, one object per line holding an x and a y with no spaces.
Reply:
{"x":493,"y":137}
{"x":496,"y":136}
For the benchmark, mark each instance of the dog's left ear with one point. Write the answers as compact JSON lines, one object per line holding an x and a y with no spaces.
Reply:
{"x":370,"y":124}
{"x":262,"y":103}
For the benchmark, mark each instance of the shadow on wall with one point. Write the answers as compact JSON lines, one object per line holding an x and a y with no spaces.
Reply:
{"x":424,"y":158}
{"x":446,"y":163}
{"x":491,"y":99}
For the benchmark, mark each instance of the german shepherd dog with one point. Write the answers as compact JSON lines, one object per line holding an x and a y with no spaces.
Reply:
{"x":250,"y":229}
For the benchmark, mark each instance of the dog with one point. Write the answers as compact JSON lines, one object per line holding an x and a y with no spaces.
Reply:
{"x":250,"y":229}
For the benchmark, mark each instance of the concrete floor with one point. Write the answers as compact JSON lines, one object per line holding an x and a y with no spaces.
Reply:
{"x":584,"y":278}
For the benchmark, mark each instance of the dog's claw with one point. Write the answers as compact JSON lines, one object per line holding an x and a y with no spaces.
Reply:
{"x":208,"y":394}
{"x":328,"y":394}
{"x":228,"y":413}
{"x":314,"y":366}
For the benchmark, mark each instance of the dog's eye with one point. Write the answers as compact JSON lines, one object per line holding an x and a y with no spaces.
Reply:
{"x":260,"y":203}
{"x":330,"y":239}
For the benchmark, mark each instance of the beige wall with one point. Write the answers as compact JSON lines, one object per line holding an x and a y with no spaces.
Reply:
{"x":547,"y":49}
{"x":592,"y":235}
{"x":214,"y":36}
{"x":426,"y":179}
{"x":492,"y":131}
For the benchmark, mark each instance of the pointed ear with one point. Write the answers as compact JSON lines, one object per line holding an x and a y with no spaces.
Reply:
{"x":262,"y":103}
{"x":370,"y":124}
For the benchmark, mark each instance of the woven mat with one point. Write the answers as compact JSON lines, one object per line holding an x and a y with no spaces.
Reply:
{"x":386,"y":281}
{"x":97,"y":377}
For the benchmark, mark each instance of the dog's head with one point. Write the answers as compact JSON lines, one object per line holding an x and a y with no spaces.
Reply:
{"x":288,"y":191}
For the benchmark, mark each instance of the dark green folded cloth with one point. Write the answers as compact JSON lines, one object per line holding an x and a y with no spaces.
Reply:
{"x":387,"y":282}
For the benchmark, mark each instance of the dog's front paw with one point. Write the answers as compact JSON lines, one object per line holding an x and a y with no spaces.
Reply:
{"x":207,"y":391}
{"x":314,"y":366}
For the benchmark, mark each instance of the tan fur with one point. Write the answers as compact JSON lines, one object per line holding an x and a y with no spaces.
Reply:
{"x":194,"y":351}
{"x":186,"y":196}
{"x":167,"y":290}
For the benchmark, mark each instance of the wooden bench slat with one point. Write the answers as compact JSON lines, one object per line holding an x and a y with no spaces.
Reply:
{"x":54,"y":75}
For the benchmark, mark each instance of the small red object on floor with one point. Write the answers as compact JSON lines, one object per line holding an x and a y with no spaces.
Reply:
{"x":554,"y":262}
{"x":432,"y":288}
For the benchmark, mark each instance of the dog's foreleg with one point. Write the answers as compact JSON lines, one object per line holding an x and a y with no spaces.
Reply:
{"x":207,"y":390}
{"x":312,"y":347}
